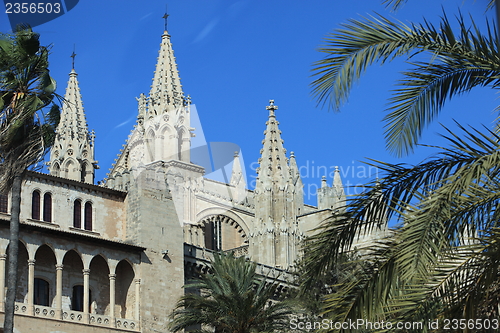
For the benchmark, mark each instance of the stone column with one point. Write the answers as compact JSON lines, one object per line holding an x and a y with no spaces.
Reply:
{"x":137,"y":297}
{"x":31,"y":285}
{"x":112,"y":290}
{"x":86,"y":288}
{"x":59,"y":277}
{"x":3,"y":258}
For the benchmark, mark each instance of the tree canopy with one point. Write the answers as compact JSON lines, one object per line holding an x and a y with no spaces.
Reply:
{"x":231,"y":298}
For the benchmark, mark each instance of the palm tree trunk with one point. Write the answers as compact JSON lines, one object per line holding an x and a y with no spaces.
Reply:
{"x":13,"y":253}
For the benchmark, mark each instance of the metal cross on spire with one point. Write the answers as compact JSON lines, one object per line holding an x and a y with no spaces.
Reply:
{"x":73,"y":55}
{"x":166,"y":17}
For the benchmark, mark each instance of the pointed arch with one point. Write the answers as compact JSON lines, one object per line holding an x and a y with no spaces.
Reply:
{"x":88,"y":216}
{"x":55,"y":169}
{"x":45,"y":276}
{"x":47,"y":207}
{"x":22,"y":272}
{"x":168,"y":149}
{"x":72,"y":277}
{"x":150,"y":145}
{"x":71,"y":170}
{"x":77,"y":214}
{"x":87,"y":172}
{"x":222,"y":233}
{"x":99,"y":285}
{"x":35,"y":205}
{"x":184,"y":144}
{"x":125,"y":294}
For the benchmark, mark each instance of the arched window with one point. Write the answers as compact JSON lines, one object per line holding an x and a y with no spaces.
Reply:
{"x":56,"y":169}
{"x":41,"y":295}
{"x":213,"y":235}
{"x":47,"y":207}
{"x":4,"y":203}
{"x":88,"y":216}
{"x":77,"y":299}
{"x":84,"y":172}
{"x":77,"y":214}
{"x":35,"y":205}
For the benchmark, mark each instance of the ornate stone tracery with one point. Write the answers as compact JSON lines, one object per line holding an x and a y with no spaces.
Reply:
{"x":216,"y":232}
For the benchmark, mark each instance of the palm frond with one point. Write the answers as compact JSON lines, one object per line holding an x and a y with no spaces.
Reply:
{"x":231,"y":298}
{"x":458,"y":63}
{"x":441,"y":203}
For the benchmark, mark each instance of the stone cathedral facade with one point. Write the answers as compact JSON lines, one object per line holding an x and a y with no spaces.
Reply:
{"x":113,"y":257}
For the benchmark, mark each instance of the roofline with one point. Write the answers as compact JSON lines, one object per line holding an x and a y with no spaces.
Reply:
{"x":68,"y":234}
{"x":77,"y":183}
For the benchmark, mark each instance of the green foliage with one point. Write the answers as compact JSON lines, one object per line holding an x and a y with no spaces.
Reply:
{"x":442,"y":260}
{"x":26,"y":89}
{"x":231,"y":299}
{"x":312,"y":293}
{"x":458,"y":63}
{"x":396,"y":4}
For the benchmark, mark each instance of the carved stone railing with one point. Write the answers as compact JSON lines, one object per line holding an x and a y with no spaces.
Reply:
{"x":44,"y":311}
{"x":77,"y":317}
{"x":74,"y":316}
{"x":197,"y":259}
{"x":127,"y":324}
{"x":100,"y":320}
{"x":21,"y":308}
{"x":239,"y":251}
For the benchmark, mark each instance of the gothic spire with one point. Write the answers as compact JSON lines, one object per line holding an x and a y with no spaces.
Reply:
{"x":278,"y":200}
{"x":72,"y":155}
{"x":273,"y":167}
{"x":166,"y":91}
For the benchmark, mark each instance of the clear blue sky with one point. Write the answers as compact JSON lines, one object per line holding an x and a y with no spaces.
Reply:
{"x":234,"y":56}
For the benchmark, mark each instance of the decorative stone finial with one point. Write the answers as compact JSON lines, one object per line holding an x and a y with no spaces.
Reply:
{"x":271,"y":107}
{"x":236,"y":154}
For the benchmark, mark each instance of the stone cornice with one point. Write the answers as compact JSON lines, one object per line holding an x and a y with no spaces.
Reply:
{"x":90,"y":187}
{"x":184,"y":165}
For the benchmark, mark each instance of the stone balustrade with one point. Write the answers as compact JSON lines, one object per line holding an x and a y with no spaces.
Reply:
{"x":21,"y":308}
{"x":77,"y":317}
{"x":44,"y":311}
{"x":100,"y":320}
{"x":127,"y":324}
{"x":239,"y":251}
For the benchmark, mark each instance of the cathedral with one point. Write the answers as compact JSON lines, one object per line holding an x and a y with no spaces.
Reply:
{"x":114,"y":256}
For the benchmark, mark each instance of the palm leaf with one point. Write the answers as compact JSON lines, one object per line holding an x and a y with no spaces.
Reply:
{"x":458,"y":63}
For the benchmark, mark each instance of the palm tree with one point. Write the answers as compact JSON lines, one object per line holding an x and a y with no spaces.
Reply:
{"x":458,"y":63}
{"x":441,"y":261}
{"x":231,"y":299}
{"x":25,"y":130}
